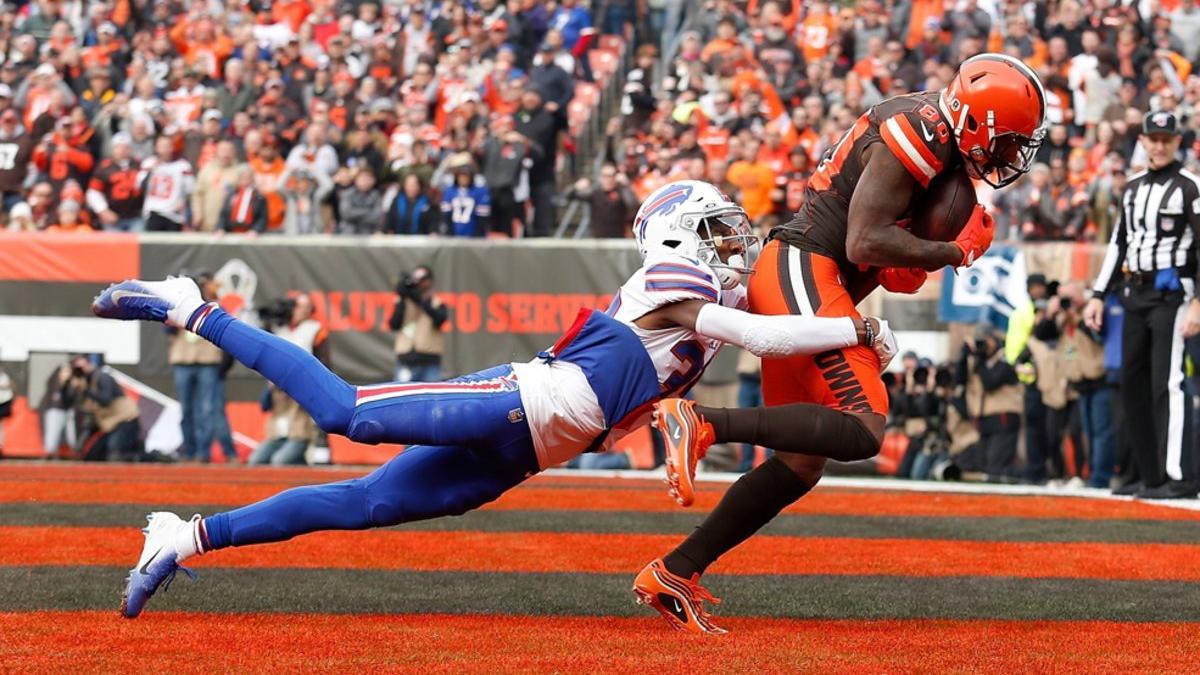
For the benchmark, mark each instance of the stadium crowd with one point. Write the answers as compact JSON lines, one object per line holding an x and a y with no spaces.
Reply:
{"x":404,"y":117}
{"x":417,"y":117}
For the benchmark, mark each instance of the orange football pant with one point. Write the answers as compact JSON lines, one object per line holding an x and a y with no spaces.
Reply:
{"x":787,"y":280}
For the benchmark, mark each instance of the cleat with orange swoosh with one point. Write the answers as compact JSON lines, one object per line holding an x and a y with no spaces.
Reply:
{"x":680,"y":601}
{"x":687,"y":436}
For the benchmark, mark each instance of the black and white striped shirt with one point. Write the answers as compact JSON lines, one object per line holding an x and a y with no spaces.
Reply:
{"x":1160,"y":215}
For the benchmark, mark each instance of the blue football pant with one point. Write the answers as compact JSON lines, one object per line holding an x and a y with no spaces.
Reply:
{"x":472,"y":443}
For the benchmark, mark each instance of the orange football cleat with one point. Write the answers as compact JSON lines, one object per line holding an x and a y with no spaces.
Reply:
{"x":687,"y":437}
{"x":679,"y":600}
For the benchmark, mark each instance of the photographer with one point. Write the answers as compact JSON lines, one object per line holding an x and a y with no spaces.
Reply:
{"x":289,"y":428}
{"x":418,"y":318}
{"x":1083,"y":351}
{"x":196,"y":364}
{"x":994,"y":401}
{"x":115,"y":414}
{"x":1043,"y":365}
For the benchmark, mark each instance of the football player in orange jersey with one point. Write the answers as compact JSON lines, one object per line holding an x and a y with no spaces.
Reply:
{"x":847,"y":239}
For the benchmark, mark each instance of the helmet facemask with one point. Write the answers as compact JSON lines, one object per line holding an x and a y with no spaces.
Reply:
{"x":722,"y":226}
{"x":1007,"y":158}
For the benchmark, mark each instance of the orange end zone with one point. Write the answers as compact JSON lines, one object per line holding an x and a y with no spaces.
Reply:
{"x":204,"y":643}
{"x":620,"y":553}
{"x":243,"y":487}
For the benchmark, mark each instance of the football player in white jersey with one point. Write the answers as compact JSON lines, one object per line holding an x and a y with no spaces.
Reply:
{"x":472,"y":438}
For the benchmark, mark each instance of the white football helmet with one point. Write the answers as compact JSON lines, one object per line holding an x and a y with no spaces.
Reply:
{"x":692,"y":218}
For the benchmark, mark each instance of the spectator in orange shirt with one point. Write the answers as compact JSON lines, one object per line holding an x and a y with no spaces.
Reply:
{"x":291,"y":12}
{"x":724,"y":42}
{"x":773,"y":153}
{"x":754,"y":180}
{"x":268,"y":166}
{"x":202,"y":43}
{"x":816,"y":32}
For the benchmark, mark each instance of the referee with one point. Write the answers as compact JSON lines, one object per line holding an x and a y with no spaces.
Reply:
{"x":1152,"y":263}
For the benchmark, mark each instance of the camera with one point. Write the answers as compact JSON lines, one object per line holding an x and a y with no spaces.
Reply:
{"x":1064,"y":303}
{"x":277,"y":313}
{"x":981,"y":346}
{"x":406,"y":286}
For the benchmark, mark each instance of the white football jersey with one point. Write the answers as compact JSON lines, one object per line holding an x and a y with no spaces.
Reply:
{"x":565,"y":416}
{"x":168,"y":188}
{"x":679,"y":354}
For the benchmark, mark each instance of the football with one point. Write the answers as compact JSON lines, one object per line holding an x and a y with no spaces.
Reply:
{"x":941,"y":213}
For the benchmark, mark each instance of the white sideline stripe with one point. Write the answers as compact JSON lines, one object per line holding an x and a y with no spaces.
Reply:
{"x":119,"y":341}
{"x":891,"y":484}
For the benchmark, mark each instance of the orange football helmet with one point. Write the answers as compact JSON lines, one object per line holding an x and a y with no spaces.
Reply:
{"x":997,"y":108}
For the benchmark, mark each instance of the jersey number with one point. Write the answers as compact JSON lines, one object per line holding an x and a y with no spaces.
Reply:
{"x":162,"y":187}
{"x":8,"y":156}
{"x":690,"y":355}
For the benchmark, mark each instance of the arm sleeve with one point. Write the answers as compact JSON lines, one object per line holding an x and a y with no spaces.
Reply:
{"x":775,"y":336}
{"x":397,"y":318}
{"x":95,"y":199}
{"x":104,"y":391}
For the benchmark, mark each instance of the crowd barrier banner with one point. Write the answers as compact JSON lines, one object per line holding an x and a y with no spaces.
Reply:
{"x":509,"y":299}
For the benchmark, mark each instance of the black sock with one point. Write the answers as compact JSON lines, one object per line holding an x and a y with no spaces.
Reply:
{"x":802,"y":428}
{"x":750,"y":503}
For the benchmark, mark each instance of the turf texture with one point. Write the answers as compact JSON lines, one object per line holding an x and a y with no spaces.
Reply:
{"x":845,"y":581}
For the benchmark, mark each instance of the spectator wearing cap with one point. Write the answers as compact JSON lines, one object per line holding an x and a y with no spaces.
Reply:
{"x":114,"y":194}
{"x":262,"y":154}
{"x":99,"y":92}
{"x":16,"y":152}
{"x":542,"y":127}
{"x":44,"y":92}
{"x":360,"y":203}
{"x":68,"y":218}
{"x":245,"y":208}
{"x":235,"y":93}
{"x":20,"y":218}
{"x":61,"y":160}
{"x":548,"y":77}
{"x":213,"y":184}
{"x":466,"y":205}
{"x":200,"y":145}
{"x":303,"y":193}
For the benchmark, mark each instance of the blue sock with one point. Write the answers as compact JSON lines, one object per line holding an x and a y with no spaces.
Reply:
{"x":324,"y":395}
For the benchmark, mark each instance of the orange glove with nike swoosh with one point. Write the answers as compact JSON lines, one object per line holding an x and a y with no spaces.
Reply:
{"x":902,"y":279}
{"x":976,"y":236}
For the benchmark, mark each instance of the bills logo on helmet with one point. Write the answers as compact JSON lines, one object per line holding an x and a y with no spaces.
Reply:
{"x":664,"y":204}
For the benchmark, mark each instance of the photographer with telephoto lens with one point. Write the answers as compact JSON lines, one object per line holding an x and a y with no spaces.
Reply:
{"x":418,"y":318}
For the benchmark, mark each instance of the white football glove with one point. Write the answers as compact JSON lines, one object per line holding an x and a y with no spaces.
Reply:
{"x":885,"y":345}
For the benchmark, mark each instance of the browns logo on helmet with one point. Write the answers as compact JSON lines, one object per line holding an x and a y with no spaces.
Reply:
{"x":997,"y":109}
